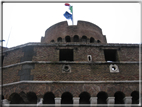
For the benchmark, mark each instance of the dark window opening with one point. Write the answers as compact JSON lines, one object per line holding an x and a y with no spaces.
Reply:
{"x":84,"y":39}
{"x":67,"y":98}
{"x":52,"y":40}
{"x":110,"y":55}
{"x":102,"y":97}
{"x":76,"y":38}
{"x":66,"y":55}
{"x":49,"y":98}
{"x":84,"y":98}
{"x":59,"y":39}
{"x":135,"y":97}
{"x":113,"y":68}
{"x":89,"y":58}
{"x":92,"y":40}
{"x":119,"y":96}
{"x":68,"y":39}
{"x":98,"y":41}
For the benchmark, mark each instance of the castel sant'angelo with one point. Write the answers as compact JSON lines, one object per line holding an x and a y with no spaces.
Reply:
{"x":75,"y":61}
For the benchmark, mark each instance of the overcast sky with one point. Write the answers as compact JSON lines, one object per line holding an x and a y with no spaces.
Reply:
{"x":27,"y":22}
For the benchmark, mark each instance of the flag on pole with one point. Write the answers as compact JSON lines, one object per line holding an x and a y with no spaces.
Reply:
{"x":67,"y":14}
{"x":67,"y":4}
{"x":70,"y":7}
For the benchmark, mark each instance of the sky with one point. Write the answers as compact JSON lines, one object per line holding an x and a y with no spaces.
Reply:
{"x":27,"y":22}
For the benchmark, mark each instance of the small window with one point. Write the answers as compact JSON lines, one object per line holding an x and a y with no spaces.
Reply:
{"x":66,"y":55}
{"x":84,"y":98}
{"x":110,"y":55}
{"x":92,"y":40}
{"x":52,"y":40}
{"x":84,"y":39}
{"x":66,"y":69}
{"x":113,"y":68}
{"x":102,"y":97}
{"x":89,"y":57}
{"x":67,"y":98}
{"x":59,"y":39}
{"x":98,"y":41}
{"x":119,"y":97}
{"x":68,"y":39}
{"x":76,"y":38}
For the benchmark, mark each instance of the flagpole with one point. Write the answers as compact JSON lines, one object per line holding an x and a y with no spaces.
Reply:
{"x":72,"y":15}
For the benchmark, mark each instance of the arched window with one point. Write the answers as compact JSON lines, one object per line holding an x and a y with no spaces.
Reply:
{"x":59,"y":39}
{"x":89,"y":57}
{"x":49,"y":98}
{"x":84,"y":39}
{"x":92,"y":40}
{"x":135,"y":97}
{"x":98,"y":41}
{"x":68,"y":39}
{"x":52,"y":40}
{"x":84,"y":98}
{"x":67,"y":98}
{"x":102,"y":97}
{"x":119,"y":97}
{"x":76,"y":38}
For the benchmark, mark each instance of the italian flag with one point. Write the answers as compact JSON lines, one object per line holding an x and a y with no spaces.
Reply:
{"x":70,"y":7}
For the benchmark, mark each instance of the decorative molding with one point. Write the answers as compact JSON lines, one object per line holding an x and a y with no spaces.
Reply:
{"x":70,"y":62}
{"x":72,"y":44}
{"x":114,"y":68}
{"x":66,"y":69}
{"x":76,"y":82}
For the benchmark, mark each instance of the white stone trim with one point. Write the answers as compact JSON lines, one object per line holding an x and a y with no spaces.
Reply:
{"x":69,"y":62}
{"x":76,"y":82}
{"x":72,"y":44}
{"x":64,"y":70}
{"x":115,"y":70}
{"x":90,"y":58}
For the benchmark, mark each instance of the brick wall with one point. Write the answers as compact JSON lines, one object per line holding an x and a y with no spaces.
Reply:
{"x":45,"y":53}
{"x":79,"y":72}
{"x":10,"y":74}
{"x":82,"y":28}
{"x":129,"y":54}
{"x":12,"y":57}
{"x":75,"y":89}
{"x":85,"y":72}
{"x":80,"y":52}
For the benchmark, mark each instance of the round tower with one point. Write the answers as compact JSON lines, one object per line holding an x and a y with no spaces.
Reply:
{"x":83,"y":32}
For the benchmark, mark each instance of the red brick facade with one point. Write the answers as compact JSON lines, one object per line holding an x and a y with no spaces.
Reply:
{"x":41,"y":62}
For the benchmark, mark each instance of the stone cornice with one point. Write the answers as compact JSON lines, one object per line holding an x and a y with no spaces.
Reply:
{"x":70,"y":62}
{"x":72,"y":44}
{"x":71,"y":82}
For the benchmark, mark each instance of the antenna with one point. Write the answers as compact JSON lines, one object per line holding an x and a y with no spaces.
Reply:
{"x":8,"y":36}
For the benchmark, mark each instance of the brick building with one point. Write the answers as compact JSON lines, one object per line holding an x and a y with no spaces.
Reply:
{"x":74,"y":59}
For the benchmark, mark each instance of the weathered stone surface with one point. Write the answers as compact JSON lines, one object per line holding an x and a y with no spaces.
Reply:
{"x":40,"y":62}
{"x":75,"y":89}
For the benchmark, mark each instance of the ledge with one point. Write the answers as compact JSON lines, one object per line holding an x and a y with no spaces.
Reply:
{"x":71,"y":82}
{"x":70,"y":62}
{"x":72,"y":44}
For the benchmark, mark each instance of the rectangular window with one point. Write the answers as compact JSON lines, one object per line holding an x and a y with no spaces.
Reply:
{"x":66,"y":55}
{"x":110,"y":55}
